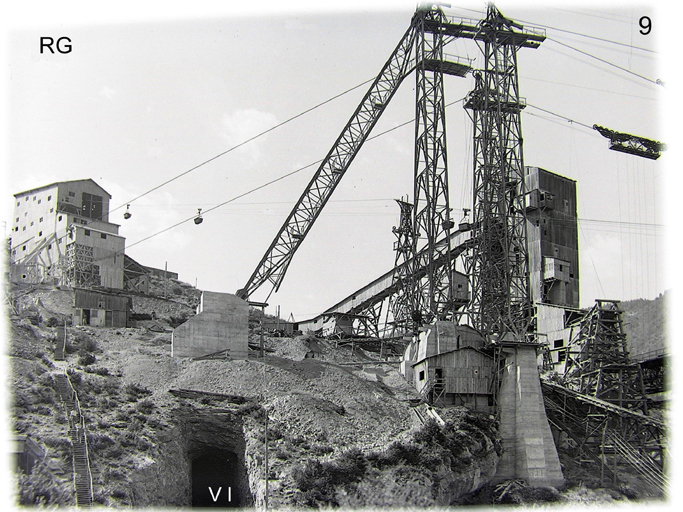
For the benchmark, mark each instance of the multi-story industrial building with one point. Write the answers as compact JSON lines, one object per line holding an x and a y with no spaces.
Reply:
{"x":61,"y":234}
{"x":553,"y":244}
{"x":552,"y":234}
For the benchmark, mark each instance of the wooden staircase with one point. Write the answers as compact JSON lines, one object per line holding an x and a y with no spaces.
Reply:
{"x":79,"y":443}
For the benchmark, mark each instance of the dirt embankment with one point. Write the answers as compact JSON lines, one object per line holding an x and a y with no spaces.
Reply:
{"x":334,"y":407}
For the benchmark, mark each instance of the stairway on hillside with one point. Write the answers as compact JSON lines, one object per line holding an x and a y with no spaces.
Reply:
{"x":77,"y":435}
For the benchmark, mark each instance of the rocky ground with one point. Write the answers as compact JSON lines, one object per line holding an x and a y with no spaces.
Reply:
{"x":340,"y":425}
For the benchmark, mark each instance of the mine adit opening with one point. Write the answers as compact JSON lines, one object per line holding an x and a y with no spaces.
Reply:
{"x":217,"y":479}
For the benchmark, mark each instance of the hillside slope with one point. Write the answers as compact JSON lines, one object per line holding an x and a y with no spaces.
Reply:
{"x":339,"y":427}
{"x":645,"y":325}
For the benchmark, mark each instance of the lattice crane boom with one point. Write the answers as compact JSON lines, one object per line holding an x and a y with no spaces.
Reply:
{"x":277,"y":258}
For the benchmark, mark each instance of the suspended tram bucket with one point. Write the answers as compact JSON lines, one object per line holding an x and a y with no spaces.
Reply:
{"x":127,"y":215}
{"x":198,"y":219}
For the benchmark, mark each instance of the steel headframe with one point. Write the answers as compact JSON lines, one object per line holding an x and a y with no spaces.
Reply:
{"x":432,"y":294}
{"x":498,"y":265}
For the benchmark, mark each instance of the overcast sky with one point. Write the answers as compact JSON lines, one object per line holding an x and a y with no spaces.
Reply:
{"x":144,"y":97}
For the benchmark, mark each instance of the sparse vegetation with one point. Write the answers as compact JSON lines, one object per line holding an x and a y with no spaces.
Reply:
{"x":430,"y":449}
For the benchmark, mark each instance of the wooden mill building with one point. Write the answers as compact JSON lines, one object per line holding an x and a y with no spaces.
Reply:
{"x":449,"y":366}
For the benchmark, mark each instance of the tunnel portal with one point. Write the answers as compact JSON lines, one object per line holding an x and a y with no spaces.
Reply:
{"x":216,"y":479}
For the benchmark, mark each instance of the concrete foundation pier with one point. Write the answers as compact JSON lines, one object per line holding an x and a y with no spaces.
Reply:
{"x":221,"y":323}
{"x":528,"y":448}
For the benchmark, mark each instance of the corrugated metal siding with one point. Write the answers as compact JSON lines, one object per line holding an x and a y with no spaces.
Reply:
{"x":87,"y":299}
{"x":553,"y":233}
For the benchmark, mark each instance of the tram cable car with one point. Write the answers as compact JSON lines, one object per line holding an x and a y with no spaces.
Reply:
{"x":198,"y":219}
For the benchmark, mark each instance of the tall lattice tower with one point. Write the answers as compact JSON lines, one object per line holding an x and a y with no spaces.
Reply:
{"x":498,"y":265}
{"x":402,"y":302}
{"x":432,"y":222}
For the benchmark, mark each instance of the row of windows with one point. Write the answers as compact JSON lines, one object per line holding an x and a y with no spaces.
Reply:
{"x":102,"y":235}
{"x":49,"y":198}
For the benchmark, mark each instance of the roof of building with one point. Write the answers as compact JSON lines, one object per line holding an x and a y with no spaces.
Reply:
{"x":478,"y":351}
{"x":549,"y":172}
{"x":59,"y":183}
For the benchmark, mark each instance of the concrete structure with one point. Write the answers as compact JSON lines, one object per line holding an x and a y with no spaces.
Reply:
{"x":61,"y":234}
{"x":528,"y":447}
{"x":552,"y":233}
{"x":221,"y":324}
{"x":101,"y":309}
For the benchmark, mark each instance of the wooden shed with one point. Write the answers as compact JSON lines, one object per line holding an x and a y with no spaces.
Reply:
{"x":458,"y":377}
{"x":101,"y":309}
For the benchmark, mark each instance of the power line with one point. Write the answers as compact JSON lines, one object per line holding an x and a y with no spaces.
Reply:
{"x":242,"y":144}
{"x":626,"y":19}
{"x":656,"y":82}
{"x":586,"y":87}
{"x":273,"y":181}
{"x":572,"y":121}
{"x":531,"y":23}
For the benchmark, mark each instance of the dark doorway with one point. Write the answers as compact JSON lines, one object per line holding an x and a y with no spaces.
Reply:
{"x":215,"y":475}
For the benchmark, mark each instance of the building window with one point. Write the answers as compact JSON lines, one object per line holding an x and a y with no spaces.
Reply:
{"x":34,"y":198}
{"x":26,"y":198}
{"x":103,"y":235}
{"x":49,"y":198}
{"x":49,"y":247}
{"x":84,"y":222}
{"x":87,"y":232}
{"x":23,"y":248}
{"x":52,"y":210}
{"x":72,"y":194}
{"x":31,"y":223}
{"x":92,"y":206}
{"x":40,"y":220}
{"x":422,"y":375}
{"x":59,"y":218}
{"x":40,"y":233}
{"x":18,"y":203}
{"x":40,"y":201}
{"x":24,"y":228}
{"x":25,"y":214}
{"x":66,"y":199}
{"x":17,"y":219}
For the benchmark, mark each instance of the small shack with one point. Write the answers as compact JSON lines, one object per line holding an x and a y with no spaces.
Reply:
{"x":101,"y":309}
{"x":449,"y":366}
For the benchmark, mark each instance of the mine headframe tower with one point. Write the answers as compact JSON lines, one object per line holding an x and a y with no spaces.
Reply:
{"x":498,"y":265}
{"x":420,"y":49}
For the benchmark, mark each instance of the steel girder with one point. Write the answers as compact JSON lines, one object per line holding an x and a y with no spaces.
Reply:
{"x":432,"y":294}
{"x":498,"y":266}
{"x":402,"y":302}
{"x":274,"y":263}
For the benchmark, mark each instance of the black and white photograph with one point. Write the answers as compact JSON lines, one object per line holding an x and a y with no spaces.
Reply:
{"x":340,"y":255}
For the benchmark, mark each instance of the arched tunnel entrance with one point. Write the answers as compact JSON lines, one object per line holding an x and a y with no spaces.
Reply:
{"x":217,"y":479}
